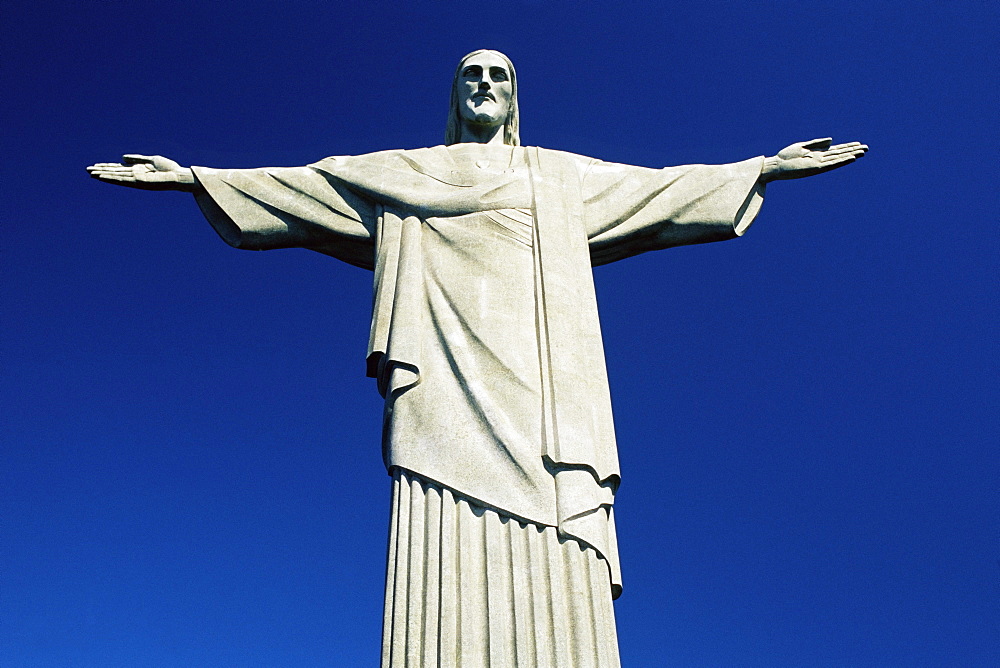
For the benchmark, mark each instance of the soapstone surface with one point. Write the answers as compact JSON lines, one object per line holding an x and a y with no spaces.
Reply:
{"x":485,"y":341}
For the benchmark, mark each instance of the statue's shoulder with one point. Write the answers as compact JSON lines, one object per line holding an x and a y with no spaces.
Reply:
{"x":392,"y":155}
{"x":561,"y":162}
{"x":397,"y":166}
{"x":563,"y":155}
{"x":433,"y":160}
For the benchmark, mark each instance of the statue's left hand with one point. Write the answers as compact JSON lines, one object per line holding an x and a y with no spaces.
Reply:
{"x":810,"y":157}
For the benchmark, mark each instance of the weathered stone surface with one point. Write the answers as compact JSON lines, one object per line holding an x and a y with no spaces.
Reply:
{"x":486,"y":345}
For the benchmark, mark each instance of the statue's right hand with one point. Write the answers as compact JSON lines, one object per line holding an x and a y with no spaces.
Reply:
{"x":149,"y":172}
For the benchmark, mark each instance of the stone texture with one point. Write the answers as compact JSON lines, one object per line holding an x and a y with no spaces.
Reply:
{"x":486,"y":345}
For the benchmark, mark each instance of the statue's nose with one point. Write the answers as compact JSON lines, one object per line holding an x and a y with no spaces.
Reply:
{"x":484,"y":85}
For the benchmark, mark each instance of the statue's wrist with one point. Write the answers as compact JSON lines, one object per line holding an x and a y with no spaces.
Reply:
{"x":186,"y":180}
{"x":769,"y":169}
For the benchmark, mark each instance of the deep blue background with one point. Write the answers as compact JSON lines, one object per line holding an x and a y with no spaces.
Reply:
{"x":807,"y":417}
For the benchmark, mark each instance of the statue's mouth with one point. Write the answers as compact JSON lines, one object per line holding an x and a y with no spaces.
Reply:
{"x":484,"y":96}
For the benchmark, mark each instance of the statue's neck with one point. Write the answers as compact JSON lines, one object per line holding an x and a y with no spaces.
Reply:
{"x":482,"y":134}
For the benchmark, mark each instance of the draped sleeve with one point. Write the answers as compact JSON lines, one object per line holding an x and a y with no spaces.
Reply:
{"x":288,"y":207}
{"x":630,"y":210}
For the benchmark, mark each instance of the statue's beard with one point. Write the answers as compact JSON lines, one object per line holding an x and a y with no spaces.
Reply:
{"x":487,"y":120}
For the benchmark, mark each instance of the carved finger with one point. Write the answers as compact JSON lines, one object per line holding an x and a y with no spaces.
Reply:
{"x":821,"y":144}
{"x":854,"y":146}
{"x":105,"y":170}
{"x":858,"y":149}
{"x":839,"y":152}
{"x":827,"y":159}
{"x":843,"y":147}
{"x":834,"y":164}
{"x":847,"y":148}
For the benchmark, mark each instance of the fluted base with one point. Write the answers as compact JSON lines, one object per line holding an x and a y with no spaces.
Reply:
{"x":467,"y":587}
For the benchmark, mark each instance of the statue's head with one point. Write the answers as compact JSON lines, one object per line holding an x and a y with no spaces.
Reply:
{"x":483,"y":92}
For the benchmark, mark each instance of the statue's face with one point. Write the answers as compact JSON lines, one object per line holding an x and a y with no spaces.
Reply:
{"x":484,"y":90}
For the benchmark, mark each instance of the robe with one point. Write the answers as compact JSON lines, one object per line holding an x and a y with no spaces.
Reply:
{"x":485,"y":339}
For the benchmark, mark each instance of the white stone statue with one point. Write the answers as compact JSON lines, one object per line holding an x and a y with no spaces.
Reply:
{"x":486,"y":345}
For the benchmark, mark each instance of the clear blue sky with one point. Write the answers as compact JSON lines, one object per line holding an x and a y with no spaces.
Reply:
{"x":807,"y":417}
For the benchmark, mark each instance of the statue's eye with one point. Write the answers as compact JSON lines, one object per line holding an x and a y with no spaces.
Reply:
{"x":498,"y":74}
{"x":471,"y":71}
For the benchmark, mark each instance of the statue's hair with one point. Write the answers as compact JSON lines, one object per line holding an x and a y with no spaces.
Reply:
{"x":453,"y":130}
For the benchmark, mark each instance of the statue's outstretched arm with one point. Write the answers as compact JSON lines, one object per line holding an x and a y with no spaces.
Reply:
{"x":810,"y":157}
{"x":148,"y":172}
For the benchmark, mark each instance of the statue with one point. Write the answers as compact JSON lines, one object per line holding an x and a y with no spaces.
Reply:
{"x":486,"y":345}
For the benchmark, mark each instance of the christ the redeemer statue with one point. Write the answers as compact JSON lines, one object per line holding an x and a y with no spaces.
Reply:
{"x":486,"y":345}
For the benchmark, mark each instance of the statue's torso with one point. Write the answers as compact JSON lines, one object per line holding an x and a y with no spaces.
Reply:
{"x":473,"y":421}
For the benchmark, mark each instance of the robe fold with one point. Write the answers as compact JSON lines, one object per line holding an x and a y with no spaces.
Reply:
{"x":485,"y":339}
